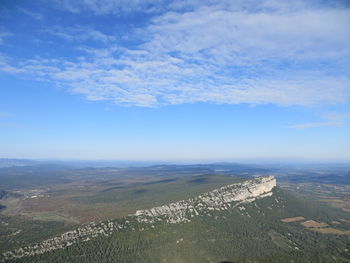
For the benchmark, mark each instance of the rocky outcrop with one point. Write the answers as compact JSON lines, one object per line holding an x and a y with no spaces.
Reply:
{"x":219,"y":199}
{"x":81,"y":234}
{"x":224,"y":198}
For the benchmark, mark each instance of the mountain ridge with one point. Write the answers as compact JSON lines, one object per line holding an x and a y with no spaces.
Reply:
{"x":217,"y":199}
{"x":177,"y":212}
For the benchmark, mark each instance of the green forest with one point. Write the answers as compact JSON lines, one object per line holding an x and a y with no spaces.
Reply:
{"x":254,"y":233}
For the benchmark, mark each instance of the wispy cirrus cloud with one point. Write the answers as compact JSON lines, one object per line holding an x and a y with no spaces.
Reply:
{"x":79,"y":34}
{"x":122,"y":7}
{"x":34,"y":15}
{"x":315,"y":124}
{"x":206,"y":51}
{"x":104,"y":7}
{"x":4,"y":34}
{"x":331,"y":119}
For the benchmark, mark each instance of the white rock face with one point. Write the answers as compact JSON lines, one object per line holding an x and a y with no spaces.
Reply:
{"x":224,"y":198}
{"x":218,"y":199}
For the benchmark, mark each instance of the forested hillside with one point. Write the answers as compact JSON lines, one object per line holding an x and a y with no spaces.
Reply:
{"x":250,"y":232}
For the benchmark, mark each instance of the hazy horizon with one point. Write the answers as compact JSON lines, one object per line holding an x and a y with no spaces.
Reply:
{"x":250,"y":161}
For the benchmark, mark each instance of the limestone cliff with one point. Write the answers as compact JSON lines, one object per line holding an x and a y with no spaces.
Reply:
{"x":218,"y":199}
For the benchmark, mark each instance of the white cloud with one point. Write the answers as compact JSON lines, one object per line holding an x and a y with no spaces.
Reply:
{"x":217,"y":52}
{"x":4,"y":34}
{"x":236,"y":37}
{"x":34,"y":15}
{"x":331,"y":119}
{"x":79,"y":34}
{"x":165,"y":81}
{"x":122,"y":7}
{"x":102,"y":7}
{"x":314,"y":124}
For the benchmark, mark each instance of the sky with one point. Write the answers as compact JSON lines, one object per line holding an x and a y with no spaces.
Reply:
{"x":175,"y":80}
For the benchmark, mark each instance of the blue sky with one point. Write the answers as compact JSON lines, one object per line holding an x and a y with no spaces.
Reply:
{"x":175,"y":80}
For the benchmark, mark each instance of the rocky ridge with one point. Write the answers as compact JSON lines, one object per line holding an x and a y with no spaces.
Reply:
{"x":220,"y":199}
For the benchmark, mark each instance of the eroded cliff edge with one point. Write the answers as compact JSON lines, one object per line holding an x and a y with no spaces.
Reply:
{"x":218,"y":199}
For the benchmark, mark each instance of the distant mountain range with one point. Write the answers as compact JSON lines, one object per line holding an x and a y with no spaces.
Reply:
{"x":6,"y":162}
{"x":17,"y":162}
